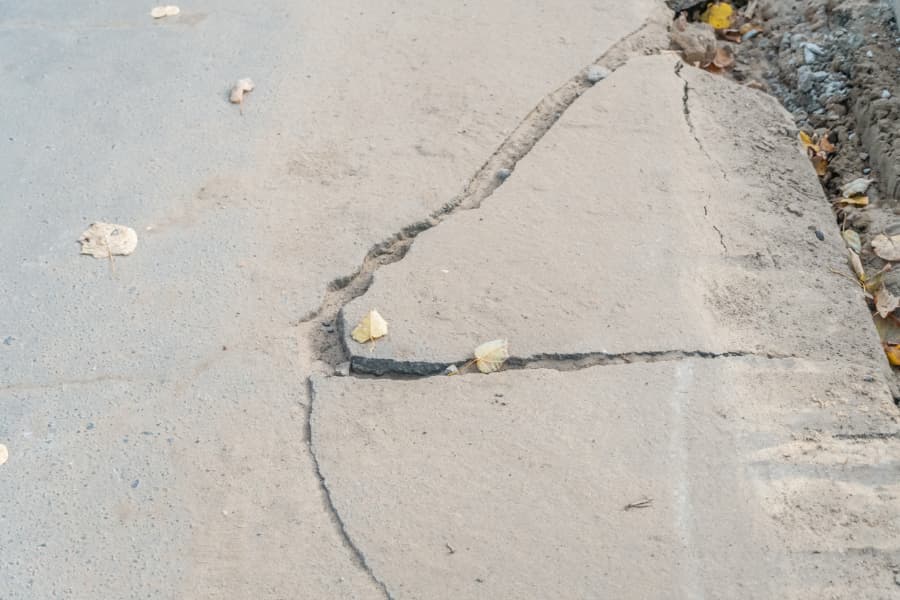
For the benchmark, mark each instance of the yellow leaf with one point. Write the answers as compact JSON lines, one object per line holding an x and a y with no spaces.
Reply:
{"x":718,"y":15}
{"x":893,"y":353}
{"x":490,"y":356}
{"x":807,"y":142}
{"x":855,"y":200}
{"x":370,"y":328}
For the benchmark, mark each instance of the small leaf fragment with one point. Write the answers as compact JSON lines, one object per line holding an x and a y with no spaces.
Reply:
{"x":887,"y":248}
{"x":4,"y":454}
{"x":370,"y":327}
{"x":490,"y":356}
{"x":807,"y":141}
{"x":240,"y":87}
{"x":820,"y":164}
{"x":159,"y":12}
{"x":852,"y":239}
{"x":885,"y":302}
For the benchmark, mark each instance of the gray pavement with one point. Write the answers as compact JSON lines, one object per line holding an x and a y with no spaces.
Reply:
{"x":158,"y":416}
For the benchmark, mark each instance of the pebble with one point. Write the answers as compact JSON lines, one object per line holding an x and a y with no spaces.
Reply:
{"x":820,"y":235}
{"x":804,"y":79}
{"x":869,"y":54}
{"x":343,"y":369}
{"x":867,"y":170}
{"x":451,"y":370}
{"x":503,"y":174}
{"x":135,"y":483}
{"x":8,"y":340}
{"x":885,"y":94}
{"x":597,"y":73}
{"x":863,"y":156}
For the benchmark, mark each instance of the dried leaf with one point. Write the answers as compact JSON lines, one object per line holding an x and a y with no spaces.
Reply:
{"x":240,"y":87}
{"x":825,"y":144}
{"x":718,"y":15}
{"x":888,"y":329}
{"x":886,"y":247}
{"x":4,"y":454}
{"x":490,"y":356}
{"x":807,"y":141}
{"x":104,"y":240}
{"x":857,"y":187}
{"x":885,"y":302}
{"x":893,"y":353}
{"x":731,"y":35}
{"x":724,"y":57}
{"x":852,"y":239}
{"x":856,"y":264}
{"x":855,"y":200}
{"x":370,"y":328}
{"x":820,"y":164}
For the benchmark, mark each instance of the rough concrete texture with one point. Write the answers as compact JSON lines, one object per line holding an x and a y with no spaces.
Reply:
{"x":762,"y":477}
{"x":180,"y":373}
{"x":667,"y":210}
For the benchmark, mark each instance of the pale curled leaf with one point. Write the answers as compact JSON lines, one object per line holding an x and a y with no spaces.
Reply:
{"x":102,"y":240}
{"x":857,"y":187}
{"x":370,"y":327}
{"x":885,"y":302}
{"x":490,"y":356}
{"x":854,"y":200}
{"x":856,"y":264}
{"x":852,"y":239}
{"x":238,"y":90}
{"x":886,"y":247}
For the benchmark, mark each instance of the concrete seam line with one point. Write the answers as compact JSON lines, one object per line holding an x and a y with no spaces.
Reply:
{"x":329,"y":503}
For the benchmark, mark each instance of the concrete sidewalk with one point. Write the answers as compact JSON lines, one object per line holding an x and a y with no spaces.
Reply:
{"x":174,"y":428}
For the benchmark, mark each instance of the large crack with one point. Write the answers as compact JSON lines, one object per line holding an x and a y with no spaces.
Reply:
{"x":329,"y":503}
{"x":686,"y":108}
{"x":322,"y":326}
{"x":397,"y":369}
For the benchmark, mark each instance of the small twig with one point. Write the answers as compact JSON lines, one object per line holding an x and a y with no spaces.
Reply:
{"x":856,"y":281}
{"x":450,"y":548}
{"x":645,"y":503}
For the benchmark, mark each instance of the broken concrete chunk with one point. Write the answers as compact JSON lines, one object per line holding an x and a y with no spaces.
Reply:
{"x":343,"y":369}
{"x":103,"y":240}
{"x":697,"y":42}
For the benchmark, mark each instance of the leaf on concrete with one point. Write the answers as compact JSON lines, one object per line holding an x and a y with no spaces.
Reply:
{"x":4,"y":454}
{"x":159,"y":12}
{"x":855,"y":200}
{"x":820,"y":164}
{"x":825,"y":144}
{"x":490,"y":356}
{"x":370,"y":328}
{"x":887,"y":248}
{"x":892,"y":351}
{"x":241,"y":87}
{"x":852,"y":239}
{"x":857,"y":187}
{"x":807,"y":141}
{"x":885,"y":302}
{"x":718,"y":14}
{"x":104,"y":240}
{"x":856,"y":264}
{"x":888,"y":329}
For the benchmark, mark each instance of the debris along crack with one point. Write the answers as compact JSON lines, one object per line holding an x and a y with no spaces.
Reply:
{"x":326,"y":340}
{"x":329,"y":504}
{"x":685,"y":99}
{"x":390,"y":368}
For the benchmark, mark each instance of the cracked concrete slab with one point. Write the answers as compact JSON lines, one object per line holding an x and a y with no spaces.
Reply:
{"x":667,"y":209}
{"x":519,"y":484}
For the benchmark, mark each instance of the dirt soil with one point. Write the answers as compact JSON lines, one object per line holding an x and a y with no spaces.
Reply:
{"x":835,"y":65}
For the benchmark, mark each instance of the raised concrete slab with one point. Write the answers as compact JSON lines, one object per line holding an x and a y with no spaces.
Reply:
{"x":766,"y":479}
{"x":650,"y":218}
